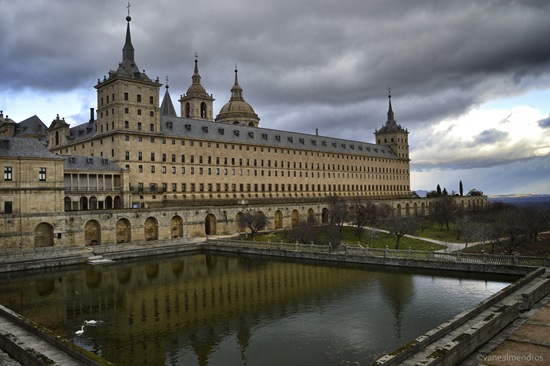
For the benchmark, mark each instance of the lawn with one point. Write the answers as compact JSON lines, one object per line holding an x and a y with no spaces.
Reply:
{"x":378,"y":240}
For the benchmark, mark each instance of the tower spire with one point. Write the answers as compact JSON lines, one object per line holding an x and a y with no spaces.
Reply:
{"x":128,"y":49}
{"x":391,"y":117}
{"x":236,"y":90}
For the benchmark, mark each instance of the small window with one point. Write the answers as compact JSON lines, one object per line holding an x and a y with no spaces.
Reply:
{"x":42,"y":174}
{"x":8,"y":173}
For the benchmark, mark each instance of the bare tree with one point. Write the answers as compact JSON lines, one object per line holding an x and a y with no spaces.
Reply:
{"x":443,"y":210}
{"x":338,"y":211}
{"x":402,"y":225}
{"x":363,"y":212}
{"x":537,"y":221}
{"x":254,"y":221}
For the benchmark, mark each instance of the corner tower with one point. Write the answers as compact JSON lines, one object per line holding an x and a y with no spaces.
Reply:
{"x":393,"y":135}
{"x":237,"y":111}
{"x":127,"y":99}
{"x":197,"y":103}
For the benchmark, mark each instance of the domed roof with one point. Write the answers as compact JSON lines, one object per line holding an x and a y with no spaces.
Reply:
{"x":196,"y":89}
{"x":237,"y":111}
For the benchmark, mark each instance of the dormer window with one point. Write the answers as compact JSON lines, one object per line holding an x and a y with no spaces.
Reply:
{"x":188,"y":127}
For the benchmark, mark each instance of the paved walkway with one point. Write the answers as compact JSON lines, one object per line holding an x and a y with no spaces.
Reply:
{"x":526,"y":342}
{"x":30,"y":341}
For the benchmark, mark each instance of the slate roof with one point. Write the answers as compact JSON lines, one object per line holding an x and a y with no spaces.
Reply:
{"x":31,"y":126}
{"x":226,"y":133}
{"x":21,"y":147}
{"x":91,"y":163}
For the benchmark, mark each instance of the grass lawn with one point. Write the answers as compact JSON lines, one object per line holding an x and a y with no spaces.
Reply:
{"x":381,"y":240}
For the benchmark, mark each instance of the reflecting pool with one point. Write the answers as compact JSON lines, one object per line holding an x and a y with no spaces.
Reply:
{"x":211,"y":309}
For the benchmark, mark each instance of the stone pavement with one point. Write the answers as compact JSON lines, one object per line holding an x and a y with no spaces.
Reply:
{"x":525,"y":342}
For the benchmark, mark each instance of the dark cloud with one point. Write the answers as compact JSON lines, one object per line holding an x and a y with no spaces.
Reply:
{"x":544,"y":123}
{"x":303,"y":65}
{"x":489,"y":137}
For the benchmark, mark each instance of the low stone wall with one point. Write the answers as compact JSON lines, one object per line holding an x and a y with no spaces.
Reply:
{"x":27,"y":357}
{"x":474,"y":336}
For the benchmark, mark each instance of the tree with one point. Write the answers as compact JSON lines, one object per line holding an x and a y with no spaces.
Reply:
{"x":254,"y":221}
{"x":461,"y":189}
{"x":537,"y":221}
{"x":438,"y":190}
{"x":513,"y":226}
{"x":363,"y":212}
{"x":475,"y":192}
{"x":443,"y":210}
{"x":338,"y":211}
{"x":402,"y":225}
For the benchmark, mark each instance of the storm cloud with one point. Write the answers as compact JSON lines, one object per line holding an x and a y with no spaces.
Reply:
{"x":303,"y":65}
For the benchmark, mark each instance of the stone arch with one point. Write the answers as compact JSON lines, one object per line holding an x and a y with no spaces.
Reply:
{"x":310,"y":216}
{"x":210,"y":224}
{"x":407,"y":210}
{"x":295,"y":218}
{"x":118,"y":202}
{"x":187,"y":110}
{"x":398,"y":210}
{"x":93,"y":203}
{"x":176,"y":227}
{"x":240,"y":224}
{"x":67,"y":203}
{"x":43,"y":235}
{"x":84,"y":203}
{"x":203,"y":110}
{"x":324,"y":215}
{"x":108,"y":202}
{"x":92,"y":233}
{"x":415,"y":209}
{"x":123,"y":231}
{"x":151,"y":229}
{"x":422,"y":208}
{"x":261,"y":214}
{"x":278,"y":219}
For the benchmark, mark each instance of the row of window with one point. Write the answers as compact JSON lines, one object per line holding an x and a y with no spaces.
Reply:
{"x":218,"y":171}
{"x":267,"y":163}
{"x":225,"y":187}
{"x":126,"y":97}
{"x":8,"y":173}
{"x":210,"y":145}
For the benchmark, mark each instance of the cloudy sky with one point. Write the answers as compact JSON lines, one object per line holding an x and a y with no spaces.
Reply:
{"x":470,"y":80}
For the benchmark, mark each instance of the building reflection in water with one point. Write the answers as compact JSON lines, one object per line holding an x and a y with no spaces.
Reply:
{"x":188,"y":309}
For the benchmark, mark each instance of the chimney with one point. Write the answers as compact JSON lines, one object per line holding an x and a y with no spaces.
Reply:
{"x":92,"y":115}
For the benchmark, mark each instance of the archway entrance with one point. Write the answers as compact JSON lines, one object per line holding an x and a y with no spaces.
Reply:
{"x":295,"y":218}
{"x":278,"y":219}
{"x":151,"y":229}
{"x":310,"y":217}
{"x":324,"y":216}
{"x":43,"y":235}
{"x":210,"y":225}
{"x":123,"y":231}
{"x":92,"y":233}
{"x":176,"y":227}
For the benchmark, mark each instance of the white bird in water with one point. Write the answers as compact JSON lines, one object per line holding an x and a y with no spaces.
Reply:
{"x":81,"y":331}
{"x":90,"y":322}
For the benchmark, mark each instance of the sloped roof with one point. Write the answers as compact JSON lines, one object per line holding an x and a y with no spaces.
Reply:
{"x":81,"y":163}
{"x":21,"y":147}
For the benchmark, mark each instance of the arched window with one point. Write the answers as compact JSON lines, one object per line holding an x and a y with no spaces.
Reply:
{"x":203,"y":110}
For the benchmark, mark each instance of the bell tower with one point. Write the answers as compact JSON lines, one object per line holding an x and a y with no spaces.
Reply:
{"x":393,"y":135}
{"x":197,"y":103}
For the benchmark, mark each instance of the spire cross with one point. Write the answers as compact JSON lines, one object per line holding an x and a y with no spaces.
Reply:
{"x":128,"y":7}
{"x":389,"y":92}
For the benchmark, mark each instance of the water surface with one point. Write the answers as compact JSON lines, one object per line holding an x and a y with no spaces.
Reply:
{"x":210,"y":309}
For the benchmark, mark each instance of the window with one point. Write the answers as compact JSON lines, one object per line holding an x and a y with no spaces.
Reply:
{"x":125,"y":96}
{"x":140,"y":156}
{"x":139,"y":112}
{"x":152,"y":156}
{"x":164,"y":169}
{"x":42,"y":174}
{"x":140,"y":168}
{"x":139,"y":126}
{"x":151,"y":101}
{"x":152,"y":168}
{"x":152,"y":127}
{"x":139,"y":98}
{"x":126,"y":124}
{"x":127,"y":155}
{"x":8,"y":173}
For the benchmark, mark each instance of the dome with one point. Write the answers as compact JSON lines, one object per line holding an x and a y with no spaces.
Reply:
{"x":195,"y":89}
{"x":237,"y":111}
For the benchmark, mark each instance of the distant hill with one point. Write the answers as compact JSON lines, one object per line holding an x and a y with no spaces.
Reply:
{"x":537,"y":200}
